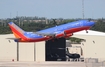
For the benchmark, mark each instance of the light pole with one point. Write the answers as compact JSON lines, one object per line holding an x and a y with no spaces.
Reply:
{"x":83,"y":9}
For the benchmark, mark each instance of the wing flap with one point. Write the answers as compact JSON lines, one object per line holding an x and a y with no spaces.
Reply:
{"x":45,"y":34}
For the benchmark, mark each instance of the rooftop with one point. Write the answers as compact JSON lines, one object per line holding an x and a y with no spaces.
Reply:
{"x":90,"y":32}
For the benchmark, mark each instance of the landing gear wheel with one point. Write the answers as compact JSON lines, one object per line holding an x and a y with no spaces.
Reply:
{"x":72,"y":33}
{"x":64,"y":33}
{"x":86,"y":31}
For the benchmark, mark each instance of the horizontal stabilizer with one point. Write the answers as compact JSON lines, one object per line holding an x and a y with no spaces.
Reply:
{"x":14,"y":38}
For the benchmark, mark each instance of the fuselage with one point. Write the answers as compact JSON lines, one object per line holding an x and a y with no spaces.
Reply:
{"x":64,"y":30}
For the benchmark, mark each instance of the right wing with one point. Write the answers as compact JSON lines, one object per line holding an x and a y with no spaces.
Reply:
{"x":45,"y":34}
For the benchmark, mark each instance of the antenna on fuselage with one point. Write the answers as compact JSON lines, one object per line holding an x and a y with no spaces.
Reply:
{"x":55,"y":23}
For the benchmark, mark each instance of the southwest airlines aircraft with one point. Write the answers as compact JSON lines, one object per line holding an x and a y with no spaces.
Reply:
{"x":64,"y":30}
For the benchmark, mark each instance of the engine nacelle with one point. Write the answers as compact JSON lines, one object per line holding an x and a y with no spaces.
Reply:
{"x":68,"y":35}
{"x":64,"y":35}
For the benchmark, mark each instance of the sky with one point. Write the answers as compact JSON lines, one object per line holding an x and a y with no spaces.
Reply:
{"x":52,"y":8}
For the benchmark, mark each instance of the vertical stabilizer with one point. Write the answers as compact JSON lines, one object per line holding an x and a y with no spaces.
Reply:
{"x":17,"y":31}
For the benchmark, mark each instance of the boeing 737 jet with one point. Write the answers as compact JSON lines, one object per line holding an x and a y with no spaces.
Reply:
{"x":64,"y":30}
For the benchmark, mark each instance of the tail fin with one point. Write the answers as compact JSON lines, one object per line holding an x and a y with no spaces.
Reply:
{"x":17,"y":31}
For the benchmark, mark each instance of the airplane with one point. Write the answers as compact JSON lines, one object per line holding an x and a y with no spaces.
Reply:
{"x":64,"y":30}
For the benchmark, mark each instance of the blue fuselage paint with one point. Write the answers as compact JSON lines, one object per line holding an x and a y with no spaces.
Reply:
{"x":61,"y":28}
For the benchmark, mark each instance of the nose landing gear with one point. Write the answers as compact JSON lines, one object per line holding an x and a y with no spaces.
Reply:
{"x":86,"y":31}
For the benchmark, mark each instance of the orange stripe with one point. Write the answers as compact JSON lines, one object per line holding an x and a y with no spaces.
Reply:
{"x":17,"y":36}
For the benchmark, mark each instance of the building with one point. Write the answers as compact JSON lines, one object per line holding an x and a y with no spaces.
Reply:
{"x":92,"y":47}
{"x":94,"y":44}
{"x":27,"y":51}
